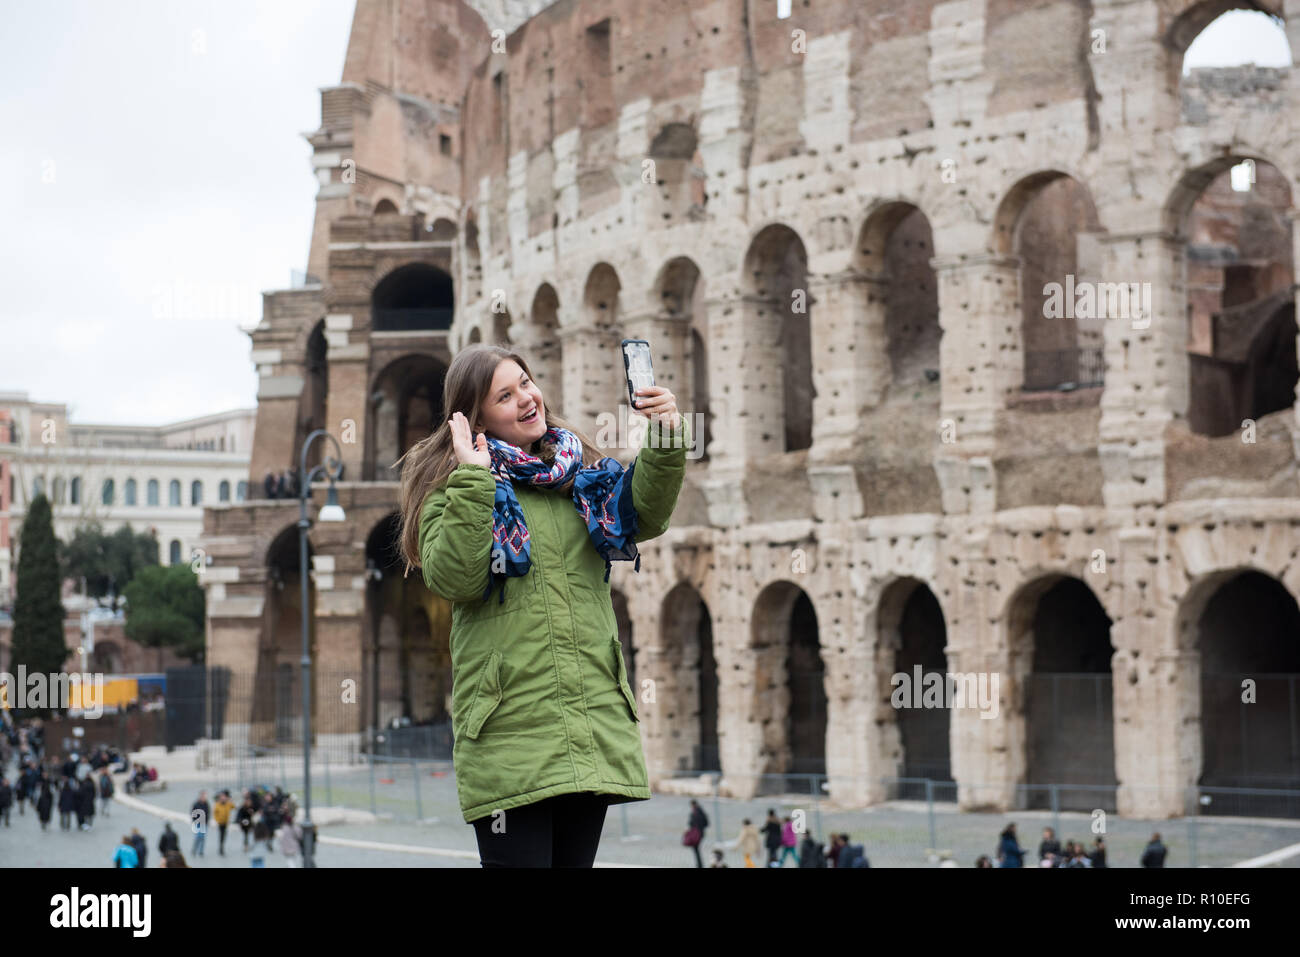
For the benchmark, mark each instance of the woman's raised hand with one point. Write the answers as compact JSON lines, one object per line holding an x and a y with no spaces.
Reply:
{"x":469,"y":450}
{"x":657,"y":403}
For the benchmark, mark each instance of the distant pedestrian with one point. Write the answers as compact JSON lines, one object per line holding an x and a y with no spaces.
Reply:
{"x":788,"y":842}
{"x":6,"y":799}
{"x":221,"y":814}
{"x":268,"y":484}
{"x":698,"y":823}
{"x":1098,"y":855}
{"x":290,"y":842}
{"x":86,"y":802}
{"x":748,"y":842}
{"x":125,"y":855}
{"x":45,"y":804}
{"x":67,"y":804}
{"x":173,"y":859}
{"x":1049,"y":845}
{"x":851,"y":855}
{"x":106,"y":790}
{"x":169,"y":840}
{"x":1154,"y":855}
{"x":810,"y":852}
{"x":772,"y":836}
{"x":1010,"y":853}
{"x":141,"y":848}
{"x":244,"y":817}
{"x":200,"y":816}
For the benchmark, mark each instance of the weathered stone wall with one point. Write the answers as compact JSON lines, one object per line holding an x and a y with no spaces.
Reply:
{"x":883,"y":164}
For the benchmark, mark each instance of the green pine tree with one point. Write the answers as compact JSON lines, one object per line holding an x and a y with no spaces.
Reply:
{"x":165,"y":609}
{"x":38,"y":641}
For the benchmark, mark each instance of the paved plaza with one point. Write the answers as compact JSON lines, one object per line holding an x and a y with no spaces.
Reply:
{"x":643,"y":834}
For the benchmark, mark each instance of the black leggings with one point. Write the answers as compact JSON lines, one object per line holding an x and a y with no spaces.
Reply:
{"x":560,"y":831}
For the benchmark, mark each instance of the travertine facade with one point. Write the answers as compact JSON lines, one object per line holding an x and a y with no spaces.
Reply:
{"x":834,"y":229}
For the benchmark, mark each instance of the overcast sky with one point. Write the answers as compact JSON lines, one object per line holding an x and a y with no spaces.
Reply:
{"x":156,"y":183}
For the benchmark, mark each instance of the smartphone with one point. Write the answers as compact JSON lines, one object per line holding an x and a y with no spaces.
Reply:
{"x":637,"y":366}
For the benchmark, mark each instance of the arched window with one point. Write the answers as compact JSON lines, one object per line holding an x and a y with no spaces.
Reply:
{"x":74,"y":496}
{"x":153,"y":492}
{"x":223,"y":491}
{"x":130,"y":492}
{"x":241,"y":492}
{"x":56,"y":488}
{"x":38,"y":486}
{"x":174,"y":492}
{"x":174,"y":552}
{"x":196,"y":492}
{"x":107,"y":496}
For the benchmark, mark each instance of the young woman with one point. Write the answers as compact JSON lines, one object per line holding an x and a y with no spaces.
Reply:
{"x":515,"y":518}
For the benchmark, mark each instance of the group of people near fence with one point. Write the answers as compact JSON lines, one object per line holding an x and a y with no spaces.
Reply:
{"x":262,"y":815}
{"x":70,"y":785}
{"x":132,"y":851}
{"x":1073,"y":854}
{"x":781,"y":839}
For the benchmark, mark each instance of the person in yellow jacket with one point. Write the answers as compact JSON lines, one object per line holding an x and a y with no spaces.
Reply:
{"x":515,"y":519}
{"x":221,"y":814}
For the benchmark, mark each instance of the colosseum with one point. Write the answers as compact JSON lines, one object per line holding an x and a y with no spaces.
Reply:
{"x":984,"y":309}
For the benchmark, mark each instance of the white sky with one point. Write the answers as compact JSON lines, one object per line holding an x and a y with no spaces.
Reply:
{"x":171,"y":132}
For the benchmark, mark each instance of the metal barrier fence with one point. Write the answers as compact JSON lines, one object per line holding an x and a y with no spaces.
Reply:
{"x":1219,"y":826}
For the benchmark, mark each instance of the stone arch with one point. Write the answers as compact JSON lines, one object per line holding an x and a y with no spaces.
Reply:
{"x":911,"y":636}
{"x":790,"y":700}
{"x":679,"y":174}
{"x":688,"y":687}
{"x":778,"y":337}
{"x":894,"y":249}
{"x":1242,"y":627}
{"x":407,"y":647}
{"x":1048,"y":222}
{"x":1186,"y":19}
{"x":1060,"y":654}
{"x":404,"y":405}
{"x":593,"y":360}
{"x":386,"y":207}
{"x":413,"y":297}
{"x":545,"y":347}
{"x":277,"y":695}
{"x":1237,"y":290}
{"x":680,"y":339}
{"x":442,"y":230}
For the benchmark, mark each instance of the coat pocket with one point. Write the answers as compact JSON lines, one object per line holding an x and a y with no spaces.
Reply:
{"x":622,"y":677}
{"x":487,"y":695}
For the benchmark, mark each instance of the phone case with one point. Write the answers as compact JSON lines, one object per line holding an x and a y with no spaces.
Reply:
{"x":627,"y":372}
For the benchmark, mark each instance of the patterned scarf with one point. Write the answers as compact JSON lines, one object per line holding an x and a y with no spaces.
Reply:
{"x":602,"y":494}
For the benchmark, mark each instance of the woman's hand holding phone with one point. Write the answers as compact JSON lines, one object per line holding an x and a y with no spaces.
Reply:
{"x":469,"y":451}
{"x":657,"y":403}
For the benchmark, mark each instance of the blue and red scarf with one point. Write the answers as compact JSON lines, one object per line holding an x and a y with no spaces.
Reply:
{"x":602,"y":494}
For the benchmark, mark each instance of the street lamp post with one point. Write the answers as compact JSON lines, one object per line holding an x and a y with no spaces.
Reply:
{"x":332,"y":469}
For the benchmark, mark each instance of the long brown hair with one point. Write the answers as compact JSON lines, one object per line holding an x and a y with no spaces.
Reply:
{"x":428,"y":463}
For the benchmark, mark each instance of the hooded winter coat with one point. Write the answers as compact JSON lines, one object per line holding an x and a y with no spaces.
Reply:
{"x":541,"y":704}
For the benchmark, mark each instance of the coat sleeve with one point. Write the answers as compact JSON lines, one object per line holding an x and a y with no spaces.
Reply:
{"x":456,"y":534}
{"x":657,"y":476}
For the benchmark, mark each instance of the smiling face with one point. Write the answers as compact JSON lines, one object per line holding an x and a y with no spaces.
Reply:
{"x":513,"y":411}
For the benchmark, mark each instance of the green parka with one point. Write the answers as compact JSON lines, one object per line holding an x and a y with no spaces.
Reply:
{"x":540,"y":698}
